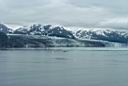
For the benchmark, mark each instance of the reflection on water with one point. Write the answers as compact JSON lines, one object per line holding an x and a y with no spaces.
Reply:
{"x":64,"y":67}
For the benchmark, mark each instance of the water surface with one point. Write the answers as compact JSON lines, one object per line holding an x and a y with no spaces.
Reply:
{"x":64,"y":67}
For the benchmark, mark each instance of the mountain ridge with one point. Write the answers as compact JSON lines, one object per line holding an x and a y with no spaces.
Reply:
{"x":35,"y":34}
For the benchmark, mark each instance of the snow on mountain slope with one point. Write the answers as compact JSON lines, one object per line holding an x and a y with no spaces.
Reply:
{"x":103,"y":34}
{"x":47,"y":30}
{"x":21,"y":30}
{"x":86,"y":34}
{"x":5,"y":29}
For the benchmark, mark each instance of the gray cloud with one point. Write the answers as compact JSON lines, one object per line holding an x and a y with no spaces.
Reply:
{"x":91,"y":13}
{"x":119,"y":6}
{"x":116,"y":23}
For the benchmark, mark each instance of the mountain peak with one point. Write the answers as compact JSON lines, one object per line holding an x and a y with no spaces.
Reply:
{"x":5,"y":29}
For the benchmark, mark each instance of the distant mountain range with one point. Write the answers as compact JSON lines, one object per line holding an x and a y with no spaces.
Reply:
{"x":105,"y":35}
{"x":38,"y":35}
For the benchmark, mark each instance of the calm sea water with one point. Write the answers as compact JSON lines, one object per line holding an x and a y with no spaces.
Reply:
{"x":64,"y":67}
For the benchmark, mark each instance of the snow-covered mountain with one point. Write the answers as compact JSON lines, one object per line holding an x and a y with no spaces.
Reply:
{"x":107,"y":34}
{"x":5,"y":29}
{"x":48,"y":35}
{"x":103,"y":34}
{"x":21,"y":30}
{"x":47,"y":30}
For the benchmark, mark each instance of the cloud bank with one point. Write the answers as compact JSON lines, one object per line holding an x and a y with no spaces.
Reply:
{"x":82,"y":13}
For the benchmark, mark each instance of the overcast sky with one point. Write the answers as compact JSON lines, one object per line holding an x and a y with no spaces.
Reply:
{"x":80,"y":13}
